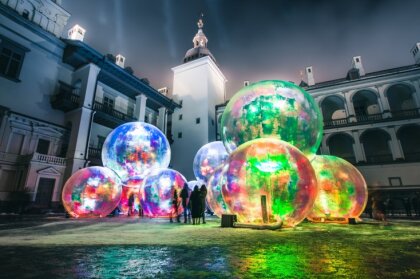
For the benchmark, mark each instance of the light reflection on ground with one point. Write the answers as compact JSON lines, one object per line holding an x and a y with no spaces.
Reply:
{"x":132,"y":248}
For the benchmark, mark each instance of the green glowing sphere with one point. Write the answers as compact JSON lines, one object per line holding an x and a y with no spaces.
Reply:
{"x":342,"y":191}
{"x":273,"y":108}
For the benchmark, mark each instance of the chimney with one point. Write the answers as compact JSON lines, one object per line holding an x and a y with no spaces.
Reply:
{"x":416,"y":53}
{"x":120,"y":60}
{"x":164,"y":91}
{"x":310,"y":76}
{"x":357,"y":64}
{"x":246,"y":83}
{"x":76,"y":33}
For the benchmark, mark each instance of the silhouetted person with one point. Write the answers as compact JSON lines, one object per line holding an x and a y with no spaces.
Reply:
{"x":378,"y":209}
{"x":184,"y":197}
{"x":130,"y":204}
{"x":195,"y":202}
{"x":203,"y":194}
{"x":407,"y":206}
{"x":175,"y":205}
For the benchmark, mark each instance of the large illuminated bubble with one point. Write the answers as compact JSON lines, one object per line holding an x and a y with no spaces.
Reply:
{"x":214,"y":191}
{"x":135,"y":149}
{"x":131,"y":187}
{"x":91,"y":192}
{"x":208,"y":158}
{"x":273,"y":108}
{"x":342,"y":189}
{"x":157,"y":192}
{"x":268,"y":182}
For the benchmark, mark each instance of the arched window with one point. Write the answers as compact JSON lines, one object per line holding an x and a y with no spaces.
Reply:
{"x":333,"y":111}
{"x":409,"y":138}
{"x":376,"y":145}
{"x":366,"y":106}
{"x":400,"y":99}
{"x":341,"y":145}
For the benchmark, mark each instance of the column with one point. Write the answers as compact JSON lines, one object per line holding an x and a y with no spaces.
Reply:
{"x":161,"y":122}
{"x":140,"y":111}
{"x":88,"y":76}
{"x":3,"y":124}
{"x":350,"y":108}
{"x":358,"y":149}
{"x":395,"y":145}
{"x":416,"y":95}
{"x":383,"y":102}
{"x":325,"y":150}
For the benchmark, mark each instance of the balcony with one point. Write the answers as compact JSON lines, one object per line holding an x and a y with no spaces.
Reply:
{"x":67,"y":98}
{"x":372,"y":118}
{"x":110,"y":117}
{"x":95,"y":156}
{"x":48,"y":159}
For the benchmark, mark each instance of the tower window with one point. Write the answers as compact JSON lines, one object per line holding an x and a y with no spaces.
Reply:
{"x":197,"y":120}
{"x":180,"y":117}
{"x":180,"y":135}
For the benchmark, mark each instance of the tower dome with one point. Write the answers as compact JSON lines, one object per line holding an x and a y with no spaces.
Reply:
{"x":200,"y":45}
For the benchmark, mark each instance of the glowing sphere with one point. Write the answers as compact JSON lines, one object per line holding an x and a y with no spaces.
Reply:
{"x":157,"y":192}
{"x":342,"y":189}
{"x":135,"y":149}
{"x":92,"y":192}
{"x":268,"y":182}
{"x":273,"y":108}
{"x":214,"y":191}
{"x":208,"y":158}
{"x":131,"y":187}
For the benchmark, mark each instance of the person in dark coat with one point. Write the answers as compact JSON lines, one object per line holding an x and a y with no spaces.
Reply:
{"x":130,"y":204}
{"x":184,"y":196}
{"x":175,"y":205}
{"x":195,"y":205}
{"x":203,"y":194}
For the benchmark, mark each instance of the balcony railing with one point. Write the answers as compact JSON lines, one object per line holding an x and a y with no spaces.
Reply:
{"x":110,"y":117}
{"x":59,"y":161}
{"x":67,"y":99}
{"x":95,"y":153}
{"x":372,"y":118}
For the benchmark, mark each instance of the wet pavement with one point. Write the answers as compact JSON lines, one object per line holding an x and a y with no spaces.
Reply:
{"x":152,"y":248}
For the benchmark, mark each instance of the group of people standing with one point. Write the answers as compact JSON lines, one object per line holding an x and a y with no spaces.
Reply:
{"x":194,"y":204}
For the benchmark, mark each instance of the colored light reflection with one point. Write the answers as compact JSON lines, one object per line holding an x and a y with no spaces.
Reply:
{"x":135,"y":149}
{"x":214,"y":191}
{"x":158,"y":190}
{"x":273,"y":108}
{"x":92,"y":192}
{"x":131,"y":187}
{"x":208,"y":158}
{"x":282,"y":192}
{"x":342,"y":189}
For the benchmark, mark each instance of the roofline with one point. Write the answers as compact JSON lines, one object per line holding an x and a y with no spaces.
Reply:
{"x":197,"y":62}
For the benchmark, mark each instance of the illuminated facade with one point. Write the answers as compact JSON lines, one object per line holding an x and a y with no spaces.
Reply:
{"x":59,"y":100}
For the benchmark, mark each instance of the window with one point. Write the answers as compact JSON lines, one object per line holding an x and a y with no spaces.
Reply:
{"x":395,"y":181}
{"x":101,"y":141}
{"x":130,"y":111}
{"x":25,"y":14}
{"x":309,"y":70}
{"x":180,"y":117}
{"x":357,"y":60}
{"x":180,"y":135}
{"x":43,"y":146}
{"x":16,"y":143}
{"x":108,"y":102}
{"x":11,"y":58}
{"x":197,"y":120}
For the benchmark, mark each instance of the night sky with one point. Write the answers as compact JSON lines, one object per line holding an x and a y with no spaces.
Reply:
{"x":252,"y":40}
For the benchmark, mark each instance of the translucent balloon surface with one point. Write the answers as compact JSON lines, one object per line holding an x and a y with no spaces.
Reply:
{"x":208,"y":158}
{"x":92,"y":192}
{"x":273,"y":108}
{"x":135,"y":149}
{"x":214,"y":194}
{"x":342,"y":189}
{"x":269,"y":181}
{"x":131,"y":187}
{"x":193,"y":183}
{"x":158,"y":190}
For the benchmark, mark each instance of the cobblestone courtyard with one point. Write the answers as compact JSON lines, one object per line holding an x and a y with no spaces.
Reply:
{"x":153,"y":248}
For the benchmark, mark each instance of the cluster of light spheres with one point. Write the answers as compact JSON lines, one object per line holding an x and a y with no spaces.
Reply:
{"x":342,"y":189}
{"x":135,"y":149}
{"x":208,"y":158}
{"x":157,"y":192}
{"x":273,"y":108}
{"x":92,"y":192}
{"x":269,"y":182}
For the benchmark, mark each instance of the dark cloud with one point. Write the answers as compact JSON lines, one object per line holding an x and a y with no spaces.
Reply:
{"x":252,"y":40}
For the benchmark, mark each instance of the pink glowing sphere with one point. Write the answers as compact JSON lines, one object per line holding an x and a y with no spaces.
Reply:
{"x":92,"y":192}
{"x":157,"y":192}
{"x":214,"y":197}
{"x":342,"y":189}
{"x":131,"y":188}
{"x":269,"y":182}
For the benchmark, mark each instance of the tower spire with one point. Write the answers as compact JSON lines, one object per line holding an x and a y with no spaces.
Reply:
{"x":200,"y":40}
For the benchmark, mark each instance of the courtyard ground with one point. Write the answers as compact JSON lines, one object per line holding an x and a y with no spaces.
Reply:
{"x":35,"y":247}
